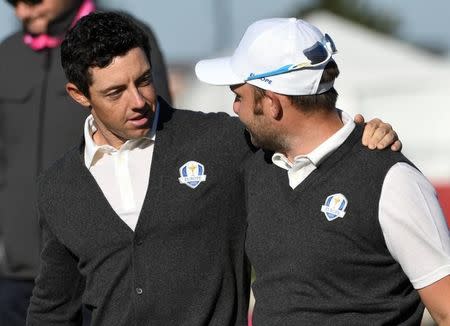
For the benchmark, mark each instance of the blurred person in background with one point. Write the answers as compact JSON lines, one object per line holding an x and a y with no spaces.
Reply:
{"x":39,"y":122}
{"x":337,"y":234}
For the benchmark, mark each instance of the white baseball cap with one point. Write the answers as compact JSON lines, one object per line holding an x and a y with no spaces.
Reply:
{"x":284,"y":55}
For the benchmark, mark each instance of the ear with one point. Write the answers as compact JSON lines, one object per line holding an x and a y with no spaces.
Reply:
{"x":273,"y":105}
{"x":77,"y":95}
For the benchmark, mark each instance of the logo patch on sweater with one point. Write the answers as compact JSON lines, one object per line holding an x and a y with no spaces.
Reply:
{"x":334,"y":206}
{"x":192,"y":174}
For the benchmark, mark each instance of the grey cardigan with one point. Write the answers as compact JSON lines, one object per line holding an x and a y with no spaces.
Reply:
{"x":185,"y":262}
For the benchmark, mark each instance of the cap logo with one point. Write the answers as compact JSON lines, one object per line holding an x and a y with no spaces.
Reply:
{"x":264,"y":79}
{"x":268,"y":51}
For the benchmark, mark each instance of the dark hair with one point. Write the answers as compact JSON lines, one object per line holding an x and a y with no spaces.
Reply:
{"x":28,"y":2}
{"x":95,"y":41}
{"x":324,"y":101}
{"x":308,"y":103}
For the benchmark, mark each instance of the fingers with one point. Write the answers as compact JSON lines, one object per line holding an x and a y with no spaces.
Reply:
{"x":397,"y":146}
{"x":369,"y":133}
{"x":380,"y":135}
{"x":359,"y":118}
{"x":383,"y":137}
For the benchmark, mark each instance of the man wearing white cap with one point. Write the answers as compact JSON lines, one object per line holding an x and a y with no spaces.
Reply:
{"x":337,"y":234}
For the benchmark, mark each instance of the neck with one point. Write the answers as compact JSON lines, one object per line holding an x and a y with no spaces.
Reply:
{"x":309,"y":131}
{"x":104,"y":137}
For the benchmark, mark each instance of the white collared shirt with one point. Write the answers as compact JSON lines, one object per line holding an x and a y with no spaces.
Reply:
{"x":122,"y":174}
{"x":414,"y":228}
{"x":305,"y":164}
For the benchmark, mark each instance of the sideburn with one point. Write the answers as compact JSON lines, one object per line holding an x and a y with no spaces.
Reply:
{"x":259,"y":95}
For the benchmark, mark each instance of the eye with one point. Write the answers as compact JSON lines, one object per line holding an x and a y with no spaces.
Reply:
{"x":237,"y":98}
{"x":145,"y":81}
{"x":114,"y":95}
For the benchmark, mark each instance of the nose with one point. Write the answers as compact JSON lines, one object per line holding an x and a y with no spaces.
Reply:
{"x":138,"y":99}
{"x":23,"y":10}
{"x":236,"y":107}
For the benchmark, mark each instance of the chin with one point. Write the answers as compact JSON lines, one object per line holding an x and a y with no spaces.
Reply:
{"x":139,"y":134}
{"x":36,"y":28}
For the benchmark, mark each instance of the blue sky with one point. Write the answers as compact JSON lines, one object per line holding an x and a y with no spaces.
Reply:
{"x":188,"y":30}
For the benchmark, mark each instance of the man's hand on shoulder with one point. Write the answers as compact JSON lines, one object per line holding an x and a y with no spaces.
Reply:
{"x":378,"y":134}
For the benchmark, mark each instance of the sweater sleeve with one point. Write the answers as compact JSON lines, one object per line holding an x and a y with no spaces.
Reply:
{"x":56,"y":298}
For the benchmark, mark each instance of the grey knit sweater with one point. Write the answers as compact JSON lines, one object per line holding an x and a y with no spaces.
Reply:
{"x":185,"y":262}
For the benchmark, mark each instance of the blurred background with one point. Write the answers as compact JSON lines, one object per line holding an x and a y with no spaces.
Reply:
{"x":394,"y":58}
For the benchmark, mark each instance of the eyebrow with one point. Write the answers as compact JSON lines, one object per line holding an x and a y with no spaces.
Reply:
{"x":145,"y":75}
{"x":233,"y":88}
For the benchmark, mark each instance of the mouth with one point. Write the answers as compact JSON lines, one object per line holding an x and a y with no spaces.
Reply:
{"x":140,"y":120}
{"x":34,"y":26}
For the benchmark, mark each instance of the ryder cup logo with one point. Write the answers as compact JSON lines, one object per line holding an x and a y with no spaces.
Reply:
{"x":191,"y":174}
{"x":334,"y":206}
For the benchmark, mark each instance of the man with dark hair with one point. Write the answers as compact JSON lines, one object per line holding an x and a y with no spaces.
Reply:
{"x":144,"y":222}
{"x":337,"y":234}
{"x":39,"y":122}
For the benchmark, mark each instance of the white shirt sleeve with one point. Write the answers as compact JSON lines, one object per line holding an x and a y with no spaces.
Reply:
{"x":414,"y":225}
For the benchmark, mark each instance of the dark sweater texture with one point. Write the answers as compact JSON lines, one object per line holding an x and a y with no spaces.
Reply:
{"x":312,"y":271}
{"x":185,"y":262}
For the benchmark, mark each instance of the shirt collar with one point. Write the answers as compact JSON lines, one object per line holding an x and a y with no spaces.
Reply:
{"x":323,"y":150}
{"x":92,"y":150}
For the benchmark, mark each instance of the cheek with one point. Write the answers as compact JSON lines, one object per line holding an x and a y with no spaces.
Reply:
{"x":53,"y":10}
{"x":108,"y":112}
{"x":42,"y":12}
{"x":242,"y":107}
{"x":149,"y":94}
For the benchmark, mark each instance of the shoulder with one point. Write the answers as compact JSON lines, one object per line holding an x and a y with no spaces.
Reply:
{"x":207,"y":124}
{"x":216,"y":133}
{"x":60,"y":172}
{"x":404,"y":173}
{"x":12,"y":49}
{"x":413,"y":225}
{"x":11,"y":41}
{"x":404,"y":181}
{"x":377,"y":159}
{"x":20,"y":70}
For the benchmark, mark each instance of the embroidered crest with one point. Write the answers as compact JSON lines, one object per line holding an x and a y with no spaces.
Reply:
{"x":192,"y":173}
{"x":334,"y":206}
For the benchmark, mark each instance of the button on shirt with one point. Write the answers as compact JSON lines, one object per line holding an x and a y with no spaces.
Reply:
{"x":414,"y":228}
{"x":122,"y":174}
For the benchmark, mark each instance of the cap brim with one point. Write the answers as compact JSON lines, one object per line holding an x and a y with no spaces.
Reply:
{"x":217,"y":72}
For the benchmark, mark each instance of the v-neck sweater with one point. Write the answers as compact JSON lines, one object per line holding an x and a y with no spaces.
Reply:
{"x":318,"y":250}
{"x":185,"y":262}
